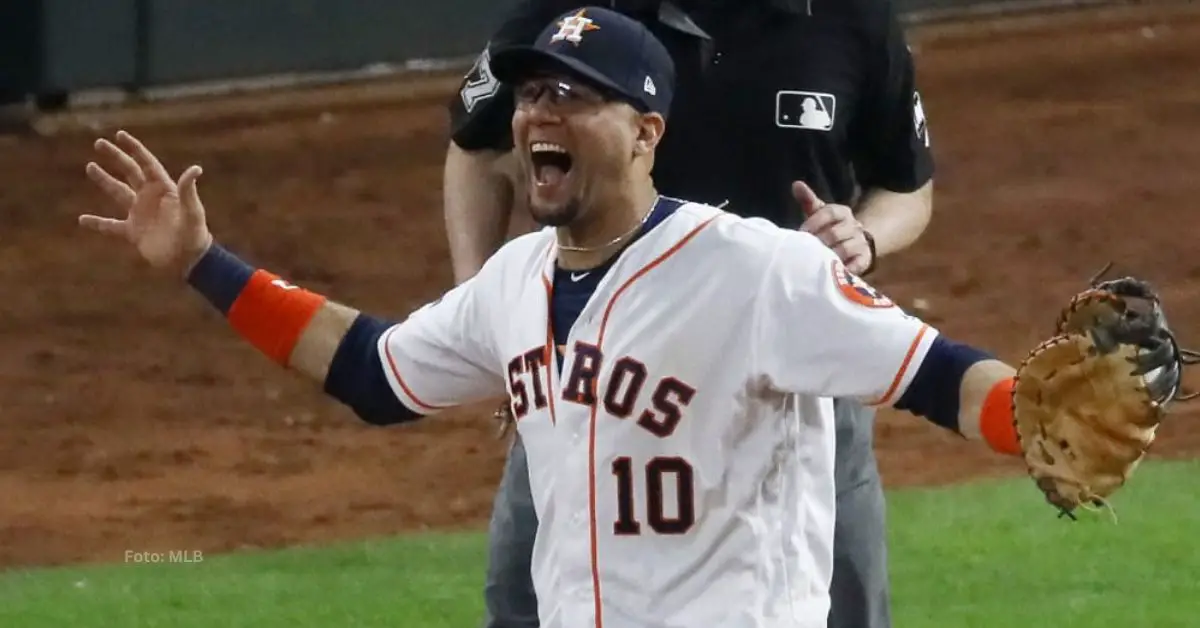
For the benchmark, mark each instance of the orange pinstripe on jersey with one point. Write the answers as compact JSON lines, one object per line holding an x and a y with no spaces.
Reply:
{"x":387,"y":350}
{"x":592,"y":421}
{"x":912,"y":351}
{"x":550,"y":358}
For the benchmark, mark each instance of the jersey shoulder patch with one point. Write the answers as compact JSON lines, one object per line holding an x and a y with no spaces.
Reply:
{"x":856,"y":290}
{"x":479,"y":84}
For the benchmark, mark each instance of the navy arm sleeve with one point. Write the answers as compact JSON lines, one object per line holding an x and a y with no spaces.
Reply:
{"x":356,"y":376}
{"x":481,"y":110}
{"x":935,"y":389}
{"x":891,"y":138}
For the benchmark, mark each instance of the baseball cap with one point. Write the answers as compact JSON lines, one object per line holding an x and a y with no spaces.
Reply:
{"x":601,"y":47}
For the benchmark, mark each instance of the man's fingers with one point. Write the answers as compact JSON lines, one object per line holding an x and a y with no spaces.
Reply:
{"x":125,"y":165}
{"x":827,"y":215}
{"x":833,"y":231}
{"x":819,"y":220}
{"x":857,"y":264}
{"x":151,"y":166}
{"x":120,"y":192}
{"x":189,"y":196}
{"x":810,"y":203}
{"x":100,"y":224}
{"x":187,"y":184}
{"x":850,"y":251}
{"x":840,"y":232}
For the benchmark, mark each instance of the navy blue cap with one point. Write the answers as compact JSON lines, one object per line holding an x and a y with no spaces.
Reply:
{"x":602,"y":47}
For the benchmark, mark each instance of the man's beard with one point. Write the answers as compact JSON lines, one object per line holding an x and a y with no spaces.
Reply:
{"x":557,"y":217}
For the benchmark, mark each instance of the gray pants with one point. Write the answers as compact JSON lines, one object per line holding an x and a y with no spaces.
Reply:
{"x":860,"y":586}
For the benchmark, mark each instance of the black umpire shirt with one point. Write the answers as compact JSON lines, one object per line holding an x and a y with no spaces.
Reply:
{"x":769,"y":91}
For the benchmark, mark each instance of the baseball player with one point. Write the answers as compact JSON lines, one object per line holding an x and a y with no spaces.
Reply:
{"x":769,"y":92}
{"x":677,"y":421}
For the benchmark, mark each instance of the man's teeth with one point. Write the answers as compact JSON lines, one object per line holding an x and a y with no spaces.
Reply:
{"x":540,"y":147}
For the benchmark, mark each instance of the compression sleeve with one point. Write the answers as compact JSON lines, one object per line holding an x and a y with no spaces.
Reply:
{"x":374,"y":359}
{"x":936,"y":391}
{"x":357,"y":378}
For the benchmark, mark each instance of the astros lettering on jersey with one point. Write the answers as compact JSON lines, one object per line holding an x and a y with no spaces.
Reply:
{"x":682,"y":462}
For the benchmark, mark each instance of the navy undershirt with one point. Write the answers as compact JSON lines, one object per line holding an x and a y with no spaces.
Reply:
{"x":574,"y":288}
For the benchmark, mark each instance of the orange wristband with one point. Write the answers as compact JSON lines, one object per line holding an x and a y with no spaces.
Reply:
{"x":996,"y":419}
{"x":271,"y":314}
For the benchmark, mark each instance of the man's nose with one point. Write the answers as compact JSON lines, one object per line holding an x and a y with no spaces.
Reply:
{"x":542,"y":108}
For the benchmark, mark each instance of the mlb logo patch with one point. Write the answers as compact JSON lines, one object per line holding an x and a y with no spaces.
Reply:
{"x":814,"y":111}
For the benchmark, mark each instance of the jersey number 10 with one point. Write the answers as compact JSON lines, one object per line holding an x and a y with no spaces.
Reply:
{"x":658,"y":472}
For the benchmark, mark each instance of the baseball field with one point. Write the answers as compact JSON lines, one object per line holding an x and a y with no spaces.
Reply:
{"x":157,"y":471}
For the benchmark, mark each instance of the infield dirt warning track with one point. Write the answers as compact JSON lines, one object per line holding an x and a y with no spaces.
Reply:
{"x":132,"y":416}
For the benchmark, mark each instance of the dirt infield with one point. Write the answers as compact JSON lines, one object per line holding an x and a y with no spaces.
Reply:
{"x":133,"y":419}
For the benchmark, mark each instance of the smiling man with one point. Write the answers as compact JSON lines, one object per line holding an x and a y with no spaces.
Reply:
{"x":576,"y":153}
{"x":778,"y":106}
{"x":677,"y":422}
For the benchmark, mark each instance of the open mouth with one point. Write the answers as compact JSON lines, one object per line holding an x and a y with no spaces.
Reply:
{"x":551,"y":163}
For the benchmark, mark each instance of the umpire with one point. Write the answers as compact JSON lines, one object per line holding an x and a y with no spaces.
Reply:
{"x":779,"y":103}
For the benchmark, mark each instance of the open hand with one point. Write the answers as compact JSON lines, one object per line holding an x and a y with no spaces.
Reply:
{"x":164,"y":219}
{"x":836,"y":226}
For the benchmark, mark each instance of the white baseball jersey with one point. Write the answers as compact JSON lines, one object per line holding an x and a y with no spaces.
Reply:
{"x":681,"y":462}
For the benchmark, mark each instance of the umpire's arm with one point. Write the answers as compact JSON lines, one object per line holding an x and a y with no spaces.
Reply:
{"x":478,"y":181}
{"x":895,"y":219}
{"x":477,"y":199}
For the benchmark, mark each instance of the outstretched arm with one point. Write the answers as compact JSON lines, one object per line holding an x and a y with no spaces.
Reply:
{"x":387,"y":372}
{"x":327,"y":342}
{"x":478,"y":192}
{"x":478,"y":203}
{"x":965,"y":390}
{"x":824,"y":331}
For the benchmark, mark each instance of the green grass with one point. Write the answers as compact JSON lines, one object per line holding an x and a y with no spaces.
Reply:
{"x":980,"y":556}
{"x":993,"y":554}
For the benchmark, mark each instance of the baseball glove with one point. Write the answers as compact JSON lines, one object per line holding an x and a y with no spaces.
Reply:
{"x":1087,"y":402}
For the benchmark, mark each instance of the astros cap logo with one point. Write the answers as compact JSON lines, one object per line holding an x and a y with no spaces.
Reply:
{"x":572,"y":28}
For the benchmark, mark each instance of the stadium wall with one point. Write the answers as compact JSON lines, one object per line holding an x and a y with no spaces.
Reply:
{"x":65,"y":46}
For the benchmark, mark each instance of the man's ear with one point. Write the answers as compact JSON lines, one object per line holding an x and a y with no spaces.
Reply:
{"x":650,"y":131}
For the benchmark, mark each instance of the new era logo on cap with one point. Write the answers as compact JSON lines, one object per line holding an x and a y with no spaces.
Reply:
{"x":649,"y":87}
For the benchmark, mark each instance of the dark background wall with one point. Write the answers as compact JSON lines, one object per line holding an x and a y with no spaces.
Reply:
{"x":70,"y":45}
